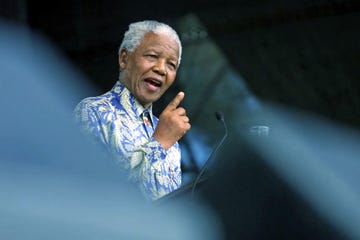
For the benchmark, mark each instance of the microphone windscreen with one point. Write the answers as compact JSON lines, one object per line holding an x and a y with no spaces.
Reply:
{"x":219,"y":115}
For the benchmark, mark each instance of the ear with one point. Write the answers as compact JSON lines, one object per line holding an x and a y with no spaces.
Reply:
{"x":123,"y":56}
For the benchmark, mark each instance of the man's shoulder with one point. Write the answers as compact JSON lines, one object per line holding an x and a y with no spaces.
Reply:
{"x":94,"y":108}
{"x":103,"y":100}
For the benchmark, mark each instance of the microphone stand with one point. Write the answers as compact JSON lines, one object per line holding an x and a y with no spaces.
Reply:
{"x":220,"y":117}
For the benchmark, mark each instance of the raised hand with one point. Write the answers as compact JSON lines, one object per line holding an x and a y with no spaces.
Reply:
{"x":173,"y":123}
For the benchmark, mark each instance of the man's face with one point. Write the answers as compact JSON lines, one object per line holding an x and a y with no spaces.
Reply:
{"x":151,"y":68}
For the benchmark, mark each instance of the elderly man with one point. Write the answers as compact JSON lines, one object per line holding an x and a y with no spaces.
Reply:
{"x":122,"y":118}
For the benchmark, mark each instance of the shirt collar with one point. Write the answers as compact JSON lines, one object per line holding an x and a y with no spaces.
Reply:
{"x":128,"y":100}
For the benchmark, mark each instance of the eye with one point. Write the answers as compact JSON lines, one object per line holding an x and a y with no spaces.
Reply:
{"x":172,"y":65}
{"x":151,"y":56}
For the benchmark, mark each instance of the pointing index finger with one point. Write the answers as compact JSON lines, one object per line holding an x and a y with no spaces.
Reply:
{"x":176,"y":101}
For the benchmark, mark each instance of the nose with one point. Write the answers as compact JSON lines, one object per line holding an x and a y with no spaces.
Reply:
{"x":160,"y":68}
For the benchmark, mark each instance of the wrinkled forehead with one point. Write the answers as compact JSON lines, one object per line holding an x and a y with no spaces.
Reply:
{"x":160,"y":42}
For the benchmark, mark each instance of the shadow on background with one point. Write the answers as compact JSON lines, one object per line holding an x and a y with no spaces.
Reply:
{"x":298,"y":182}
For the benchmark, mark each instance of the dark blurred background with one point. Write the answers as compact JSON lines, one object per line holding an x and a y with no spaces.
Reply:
{"x":236,"y":54}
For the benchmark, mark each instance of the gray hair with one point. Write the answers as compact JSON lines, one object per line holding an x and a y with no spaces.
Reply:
{"x":137,"y":30}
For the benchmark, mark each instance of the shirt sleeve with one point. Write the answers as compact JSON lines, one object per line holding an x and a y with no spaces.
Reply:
{"x":89,"y":122}
{"x":157,"y":170}
{"x":147,"y":163}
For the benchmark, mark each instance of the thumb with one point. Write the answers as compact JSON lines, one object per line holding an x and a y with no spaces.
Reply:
{"x":176,"y":101}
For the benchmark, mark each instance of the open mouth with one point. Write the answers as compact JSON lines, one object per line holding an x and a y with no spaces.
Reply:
{"x":153,"y":82}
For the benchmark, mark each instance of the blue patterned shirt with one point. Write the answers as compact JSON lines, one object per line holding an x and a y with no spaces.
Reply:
{"x":115,"y":119}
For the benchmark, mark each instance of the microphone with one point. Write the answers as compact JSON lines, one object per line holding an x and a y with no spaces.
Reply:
{"x":220,"y":117}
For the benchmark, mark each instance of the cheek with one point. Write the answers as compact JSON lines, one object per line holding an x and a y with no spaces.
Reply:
{"x":171,"y":78}
{"x":142,"y":65}
{"x":134,"y":73}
